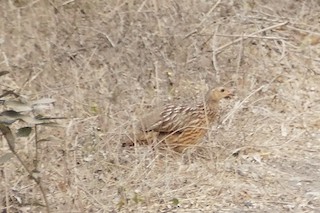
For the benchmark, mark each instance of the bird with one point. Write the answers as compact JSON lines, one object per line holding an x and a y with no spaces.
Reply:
{"x":180,"y":126}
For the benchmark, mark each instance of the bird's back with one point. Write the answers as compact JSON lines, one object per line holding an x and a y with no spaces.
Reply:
{"x":176,"y":125}
{"x":180,"y":126}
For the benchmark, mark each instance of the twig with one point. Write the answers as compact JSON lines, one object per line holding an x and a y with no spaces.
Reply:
{"x":210,"y":11}
{"x":253,"y":36}
{"x":7,"y":133}
{"x":142,"y":6}
{"x":219,"y":50}
{"x":241,"y":103}
{"x":302,"y":30}
{"x":111,"y":42}
{"x":156,"y":73}
{"x":37,"y":148}
{"x":214,"y":56}
{"x":239,"y":58}
{"x":67,"y":2}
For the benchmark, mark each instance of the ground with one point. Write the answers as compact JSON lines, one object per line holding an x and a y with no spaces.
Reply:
{"x":107,"y":62}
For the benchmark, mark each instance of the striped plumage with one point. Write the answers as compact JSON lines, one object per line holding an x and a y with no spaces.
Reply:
{"x":181,"y":126}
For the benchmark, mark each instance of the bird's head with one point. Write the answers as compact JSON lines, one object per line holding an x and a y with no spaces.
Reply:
{"x":219,"y":93}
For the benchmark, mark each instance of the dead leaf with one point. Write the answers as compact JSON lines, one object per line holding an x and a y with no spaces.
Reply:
{"x":24,"y":131}
{"x":18,"y":105}
{"x":43,"y":101}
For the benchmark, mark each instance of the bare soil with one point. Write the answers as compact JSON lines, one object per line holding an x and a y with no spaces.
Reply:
{"x":107,"y":62}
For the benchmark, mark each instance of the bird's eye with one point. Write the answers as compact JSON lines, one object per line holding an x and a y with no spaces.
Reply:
{"x":222,"y":90}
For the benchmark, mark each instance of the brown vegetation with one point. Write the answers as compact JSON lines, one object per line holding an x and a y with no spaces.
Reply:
{"x":107,"y":62}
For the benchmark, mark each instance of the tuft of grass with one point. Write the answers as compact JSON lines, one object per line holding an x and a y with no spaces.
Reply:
{"x":107,"y":63}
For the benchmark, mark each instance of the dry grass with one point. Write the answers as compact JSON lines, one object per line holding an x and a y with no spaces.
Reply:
{"x":105,"y":62}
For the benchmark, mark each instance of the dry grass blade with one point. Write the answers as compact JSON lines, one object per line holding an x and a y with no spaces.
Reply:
{"x":6,"y":93}
{"x":104,"y":64}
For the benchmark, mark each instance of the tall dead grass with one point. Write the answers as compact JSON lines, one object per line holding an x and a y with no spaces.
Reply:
{"x":106,"y":63}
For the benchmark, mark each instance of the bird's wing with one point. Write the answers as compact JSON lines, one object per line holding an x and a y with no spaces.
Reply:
{"x":168,"y":119}
{"x":150,"y":120}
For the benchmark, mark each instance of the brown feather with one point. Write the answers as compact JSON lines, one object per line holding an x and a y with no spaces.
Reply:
{"x":181,"y":126}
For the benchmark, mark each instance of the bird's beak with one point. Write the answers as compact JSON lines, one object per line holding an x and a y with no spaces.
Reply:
{"x":230,"y":94}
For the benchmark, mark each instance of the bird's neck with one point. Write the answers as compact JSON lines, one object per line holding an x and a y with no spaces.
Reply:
{"x":212,"y":104}
{"x":211,"y":108}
